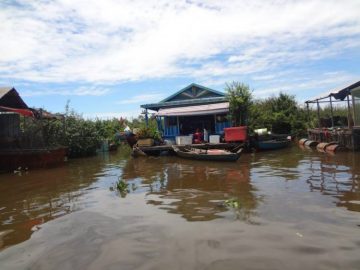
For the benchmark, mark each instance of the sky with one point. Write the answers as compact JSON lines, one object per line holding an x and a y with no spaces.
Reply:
{"x":108,"y":57}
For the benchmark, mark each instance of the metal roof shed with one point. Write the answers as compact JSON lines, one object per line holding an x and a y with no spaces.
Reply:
{"x":9,"y":97}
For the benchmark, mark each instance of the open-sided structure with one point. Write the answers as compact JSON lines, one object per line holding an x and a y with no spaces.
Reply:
{"x":333,"y":130}
{"x":193,"y":107}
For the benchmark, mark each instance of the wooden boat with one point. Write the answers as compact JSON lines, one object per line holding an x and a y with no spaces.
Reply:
{"x":206,"y":154}
{"x":13,"y":159}
{"x":272,"y":144}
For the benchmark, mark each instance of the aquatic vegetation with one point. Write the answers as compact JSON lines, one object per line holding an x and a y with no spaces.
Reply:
{"x":122,"y":187}
{"x":242,"y":208}
{"x":233,"y":203}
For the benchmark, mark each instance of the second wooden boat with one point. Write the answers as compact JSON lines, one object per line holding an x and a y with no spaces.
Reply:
{"x":206,"y":154}
{"x":272,"y":144}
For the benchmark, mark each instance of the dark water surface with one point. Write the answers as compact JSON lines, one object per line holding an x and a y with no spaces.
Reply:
{"x":289,"y":209}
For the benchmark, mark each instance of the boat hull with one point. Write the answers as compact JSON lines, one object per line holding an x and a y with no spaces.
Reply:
{"x":272,"y":144}
{"x":31,"y":158}
{"x":205,"y":156}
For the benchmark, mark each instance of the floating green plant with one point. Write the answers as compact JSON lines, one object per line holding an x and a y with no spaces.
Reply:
{"x":121,"y":186}
{"x":233,"y":203}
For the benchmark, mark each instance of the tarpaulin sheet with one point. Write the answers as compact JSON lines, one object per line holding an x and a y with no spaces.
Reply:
{"x":24,"y":112}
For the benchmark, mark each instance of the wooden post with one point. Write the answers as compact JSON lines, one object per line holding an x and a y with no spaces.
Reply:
{"x":308,"y":112}
{"x":215,"y":122}
{"x":318,"y":112}
{"x":161,"y":124}
{"x":178,"y":125}
{"x":332,"y":113}
{"x":146,"y":118}
{"x":349,"y":113}
{"x":353,"y":109}
{"x":165,"y":126}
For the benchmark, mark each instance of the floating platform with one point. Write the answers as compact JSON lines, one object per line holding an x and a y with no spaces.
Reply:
{"x":344,"y":137}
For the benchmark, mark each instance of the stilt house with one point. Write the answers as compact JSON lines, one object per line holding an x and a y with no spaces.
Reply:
{"x":193,"y":107}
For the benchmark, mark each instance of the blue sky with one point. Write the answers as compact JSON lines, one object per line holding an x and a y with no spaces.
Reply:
{"x":108,"y":57}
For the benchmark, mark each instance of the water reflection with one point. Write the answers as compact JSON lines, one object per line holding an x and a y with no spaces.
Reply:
{"x":284,"y":164}
{"x":33,"y":198}
{"x":194,"y":190}
{"x":337,"y":176}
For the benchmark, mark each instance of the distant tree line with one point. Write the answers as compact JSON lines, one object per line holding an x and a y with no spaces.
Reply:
{"x":280,"y":114}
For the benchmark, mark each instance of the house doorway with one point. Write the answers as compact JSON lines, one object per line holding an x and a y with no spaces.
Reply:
{"x":189,"y":124}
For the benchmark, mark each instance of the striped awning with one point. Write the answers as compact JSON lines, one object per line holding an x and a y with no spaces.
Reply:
{"x":195,"y":110}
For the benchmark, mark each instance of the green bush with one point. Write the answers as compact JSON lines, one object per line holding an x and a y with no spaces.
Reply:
{"x":240,"y":98}
{"x":280,"y":114}
{"x":81,"y":136}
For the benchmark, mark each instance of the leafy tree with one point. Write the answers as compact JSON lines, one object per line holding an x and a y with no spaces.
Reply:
{"x":240,"y":100}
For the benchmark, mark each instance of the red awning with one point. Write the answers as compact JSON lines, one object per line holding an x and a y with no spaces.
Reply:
{"x":24,"y":112}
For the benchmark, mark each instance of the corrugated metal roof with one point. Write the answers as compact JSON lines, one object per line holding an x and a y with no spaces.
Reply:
{"x":214,"y":92}
{"x":195,"y":110}
{"x":339,"y":92}
{"x":157,"y":106}
{"x":5,"y":90}
{"x":9,"y":97}
{"x":190,"y":95}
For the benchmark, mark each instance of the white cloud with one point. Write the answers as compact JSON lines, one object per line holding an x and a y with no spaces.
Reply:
{"x":305,"y":84}
{"x":145,"y":98}
{"x":79,"y":91}
{"x":112,"y":41}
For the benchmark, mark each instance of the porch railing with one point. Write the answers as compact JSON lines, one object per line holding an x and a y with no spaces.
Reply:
{"x":171,"y":131}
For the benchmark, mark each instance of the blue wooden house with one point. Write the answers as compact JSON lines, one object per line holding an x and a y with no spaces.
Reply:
{"x":193,"y":107}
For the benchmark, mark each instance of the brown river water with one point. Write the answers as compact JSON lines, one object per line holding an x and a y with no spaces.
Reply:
{"x":288,"y":209}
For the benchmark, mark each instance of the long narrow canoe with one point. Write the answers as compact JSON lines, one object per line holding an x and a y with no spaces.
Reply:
{"x":209,"y":154}
{"x":272,"y":144}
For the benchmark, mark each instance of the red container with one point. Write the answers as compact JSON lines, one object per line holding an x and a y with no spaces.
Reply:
{"x":235,"y":134}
